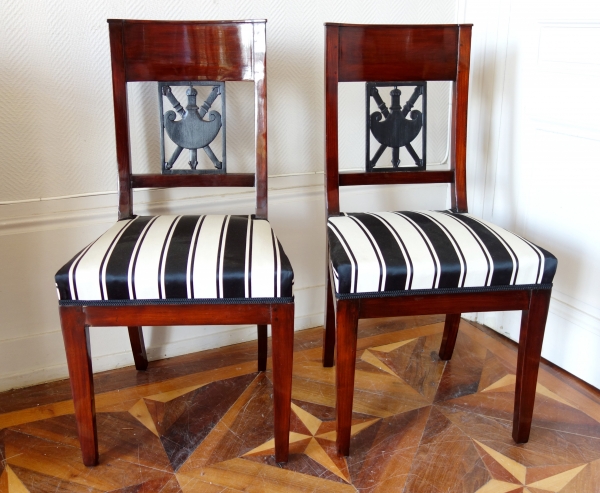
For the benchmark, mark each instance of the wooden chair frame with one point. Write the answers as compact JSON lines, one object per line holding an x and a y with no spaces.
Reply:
{"x":183,"y":51}
{"x":413,"y":53}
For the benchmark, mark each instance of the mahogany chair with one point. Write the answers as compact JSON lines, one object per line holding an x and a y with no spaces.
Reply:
{"x":417,"y":263}
{"x":182,"y":270}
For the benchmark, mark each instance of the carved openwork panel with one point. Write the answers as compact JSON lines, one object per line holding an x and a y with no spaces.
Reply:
{"x":192,"y":121}
{"x":396,"y":125}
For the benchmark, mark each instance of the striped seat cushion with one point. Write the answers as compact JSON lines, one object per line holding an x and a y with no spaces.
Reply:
{"x":387,"y":252}
{"x":179,"y":258}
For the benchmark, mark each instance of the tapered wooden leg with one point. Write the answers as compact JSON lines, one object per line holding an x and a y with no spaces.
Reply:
{"x":329,"y":329}
{"x":346,"y":333}
{"x":282,"y":342}
{"x":79,"y":360}
{"x":136,"y":337}
{"x":533,"y":324}
{"x":449,"y":337}
{"x":262,"y":347}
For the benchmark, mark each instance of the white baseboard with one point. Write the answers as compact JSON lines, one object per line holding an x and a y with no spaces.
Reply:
{"x":572,"y":338}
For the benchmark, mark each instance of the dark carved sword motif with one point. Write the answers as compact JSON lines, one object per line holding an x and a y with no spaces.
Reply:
{"x":192,"y":131}
{"x":391,"y":128}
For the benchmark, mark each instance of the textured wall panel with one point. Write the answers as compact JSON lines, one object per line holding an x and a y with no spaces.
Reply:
{"x":57,"y":133}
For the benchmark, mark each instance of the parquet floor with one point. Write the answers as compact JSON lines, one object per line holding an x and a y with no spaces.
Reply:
{"x":203,"y":423}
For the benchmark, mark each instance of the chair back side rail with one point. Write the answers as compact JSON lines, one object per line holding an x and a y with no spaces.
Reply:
{"x":332,"y":191}
{"x":188,"y":51}
{"x":121,"y":119}
{"x":259,"y":70}
{"x":359,"y":53}
{"x":458,"y":139}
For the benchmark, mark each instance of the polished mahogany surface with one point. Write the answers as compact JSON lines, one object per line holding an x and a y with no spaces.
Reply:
{"x":374,"y":53}
{"x":208,"y":180}
{"x":206,"y":51}
{"x":395,"y":178}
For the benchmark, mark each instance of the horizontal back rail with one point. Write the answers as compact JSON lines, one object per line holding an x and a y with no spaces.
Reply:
{"x":205,"y":51}
{"x":395,"y":178}
{"x":204,"y":180}
{"x":373,"y":53}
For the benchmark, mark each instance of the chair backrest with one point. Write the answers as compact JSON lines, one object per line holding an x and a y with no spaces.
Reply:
{"x":188,"y":51}
{"x":385,"y":53}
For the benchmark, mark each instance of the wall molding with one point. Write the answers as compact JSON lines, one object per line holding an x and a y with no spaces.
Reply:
{"x":73,"y":212}
{"x":575,"y":311}
{"x":77,"y":211}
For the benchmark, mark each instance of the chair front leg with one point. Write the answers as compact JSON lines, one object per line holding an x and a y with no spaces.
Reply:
{"x":282,"y":341}
{"x":138,"y":348}
{"x":329,"y":329}
{"x":346,"y":334}
{"x":79,"y":360}
{"x":449,"y":337}
{"x":262,"y":347}
{"x":533,"y":325}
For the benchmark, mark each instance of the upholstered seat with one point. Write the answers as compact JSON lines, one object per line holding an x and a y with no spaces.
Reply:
{"x":169,"y":257}
{"x":387,"y":252}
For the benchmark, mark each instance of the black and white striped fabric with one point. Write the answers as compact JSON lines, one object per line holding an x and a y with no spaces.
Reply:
{"x":179,"y":258}
{"x":421,"y":250}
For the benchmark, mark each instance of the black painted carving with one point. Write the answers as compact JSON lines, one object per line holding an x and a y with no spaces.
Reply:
{"x":391,"y":127}
{"x":192,"y":131}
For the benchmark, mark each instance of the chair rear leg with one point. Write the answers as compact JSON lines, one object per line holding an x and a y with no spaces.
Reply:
{"x":79,"y":360}
{"x":262,"y":347}
{"x":136,"y":337}
{"x":346,"y":334}
{"x":533,"y":325}
{"x":449,"y":337}
{"x":329,"y":332}
{"x":282,"y":341}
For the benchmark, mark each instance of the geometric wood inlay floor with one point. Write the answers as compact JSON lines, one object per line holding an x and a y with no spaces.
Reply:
{"x":203,"y":423}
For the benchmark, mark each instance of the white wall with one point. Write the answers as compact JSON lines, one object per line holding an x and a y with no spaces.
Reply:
{"x":534,"y":155}
{"x":57,"y":191}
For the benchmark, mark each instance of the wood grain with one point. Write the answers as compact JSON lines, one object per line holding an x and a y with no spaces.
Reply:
{"x":443,"y":303}
{"x":458,"y":133}
{"x":177,"y":314}
{"x":450,"y":333}
{"x":205,"y":50}
{"x":375,"y":52}
{"x":395,"y":178}
{"x":346,"y":334}
{"x":282,"y":329}
{"x":206,"y":180}
{"x":533,"y":325}
{"x":138,"y":348}
{"x":79,"y":360}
